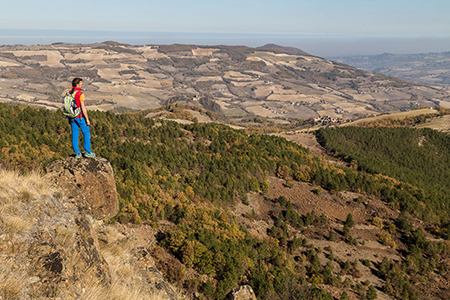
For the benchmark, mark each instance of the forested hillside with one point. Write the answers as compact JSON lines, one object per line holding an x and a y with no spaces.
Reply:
{"x":419,"y":157}
{"x":190,"y":176}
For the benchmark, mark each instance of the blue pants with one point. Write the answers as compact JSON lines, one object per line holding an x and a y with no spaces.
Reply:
{"x":77,"y":124}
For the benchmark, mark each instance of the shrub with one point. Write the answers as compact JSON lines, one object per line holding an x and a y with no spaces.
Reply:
{"x":384,"y":238}
{"x":366,"y":262}
{"x":371,"y":293}
{"x":318,"y":191}
{"x":289,"y":184}
{"x":331,"y":235}
{"x":377,"y":222}
{"x":172,"y":269}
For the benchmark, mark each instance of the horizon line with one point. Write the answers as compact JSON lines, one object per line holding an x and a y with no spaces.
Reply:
{"x":306,"y":35}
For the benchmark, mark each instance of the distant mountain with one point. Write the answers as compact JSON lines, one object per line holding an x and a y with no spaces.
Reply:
{"x":290,"y":50}
{"x":425,"y":68}
{"x":243,"y":82}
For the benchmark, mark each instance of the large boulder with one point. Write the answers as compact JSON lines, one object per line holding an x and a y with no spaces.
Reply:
{"x":89,"y":182}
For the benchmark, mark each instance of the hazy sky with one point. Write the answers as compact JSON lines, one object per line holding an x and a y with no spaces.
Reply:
{"x":330,"y":18}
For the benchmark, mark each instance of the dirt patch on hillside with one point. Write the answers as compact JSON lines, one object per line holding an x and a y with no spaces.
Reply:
{"x":306,"y":140}
{"x":440,"y":124}
{"x":335,"y":207}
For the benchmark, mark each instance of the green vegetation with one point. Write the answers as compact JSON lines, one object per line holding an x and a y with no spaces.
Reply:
{"x":188,"y":63}
{"x":405,"y":122}
{"x":236,"y":53}
{"x":411,"y":156}
{"x":187,"y":174}
{"x":190,"y":175}
{"x":128,"y":72}
{"x":176,"y":48}
{"x":117,"y":47}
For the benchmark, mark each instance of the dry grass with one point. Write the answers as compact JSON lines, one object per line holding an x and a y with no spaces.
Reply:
{"x":128,"y":283}
{"x":400,"y":116}
{"x":14,"y":224}
{"x":24,"y":187}
{"x":441,"y":124}
{"x":53,"y":57}
{"x":64,"y":236}
{"x":16,"y":194}
{"x":13,"y":283}
{"x":120,"y":291}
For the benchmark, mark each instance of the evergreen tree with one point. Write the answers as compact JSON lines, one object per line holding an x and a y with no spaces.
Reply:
{"x":371,"y":293}
{"x":349,"y":221}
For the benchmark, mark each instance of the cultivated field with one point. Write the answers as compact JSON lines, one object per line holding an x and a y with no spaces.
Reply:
{"x":245,"y":82}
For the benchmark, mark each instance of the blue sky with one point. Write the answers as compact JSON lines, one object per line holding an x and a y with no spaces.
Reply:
{"x":412,"y":19}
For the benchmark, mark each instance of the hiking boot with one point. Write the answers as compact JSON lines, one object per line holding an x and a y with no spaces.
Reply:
{"x":78,"y":155}
{"x":89,"y":155}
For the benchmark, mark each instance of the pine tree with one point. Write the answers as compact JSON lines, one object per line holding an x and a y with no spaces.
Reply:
{"x":371,"y":293}
{"x":349,"y":221}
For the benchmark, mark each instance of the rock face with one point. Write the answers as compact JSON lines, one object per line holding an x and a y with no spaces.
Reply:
{"x":64,"y":268}
{"x":157,"y":281}
{"x":89,"y":182}
{"x":50,"y":248}
{"x":244,"y":292}
{"x":87,"y":243}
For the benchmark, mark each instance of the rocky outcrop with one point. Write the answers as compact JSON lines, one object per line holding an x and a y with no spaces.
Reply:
{"x":90,"y":256}
{"x":244,"y":292}
{"x":67,"y":267}
{"x":89,"y":182}
{"x":157,"y":281}
{"x":50,"y":248}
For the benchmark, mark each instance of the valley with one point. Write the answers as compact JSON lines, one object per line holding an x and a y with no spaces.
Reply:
{"x":432,"y":69}
{"x":227,"y":174}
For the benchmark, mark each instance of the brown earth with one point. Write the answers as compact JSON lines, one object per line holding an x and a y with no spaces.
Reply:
{"x":307,"y":140}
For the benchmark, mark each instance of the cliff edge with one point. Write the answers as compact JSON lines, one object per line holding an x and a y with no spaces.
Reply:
{"x":89,"y":182}
{"x":51,"y":248}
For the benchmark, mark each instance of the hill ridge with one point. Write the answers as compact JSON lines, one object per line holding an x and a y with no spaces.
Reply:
{"x":289,"y":50}
{"x":245,"y":82}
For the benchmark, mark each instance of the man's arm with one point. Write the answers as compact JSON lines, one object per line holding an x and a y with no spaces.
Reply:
{"x":85,"y":114}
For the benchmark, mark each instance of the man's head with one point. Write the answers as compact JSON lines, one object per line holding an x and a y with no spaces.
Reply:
{"x":77,"y":81}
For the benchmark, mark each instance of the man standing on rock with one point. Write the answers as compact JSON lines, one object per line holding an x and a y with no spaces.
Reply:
{"x":80,"y":122}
